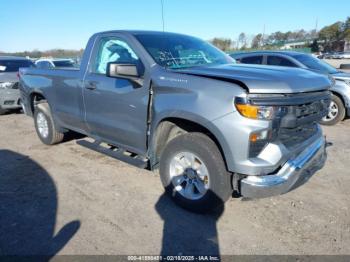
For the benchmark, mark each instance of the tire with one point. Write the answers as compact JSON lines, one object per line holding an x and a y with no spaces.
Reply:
{"x":338,"y":115}
{"x":47,"y":133}
{"x":344,"y":66}
{"x":2,"y":111}
{"x":217,"y":181}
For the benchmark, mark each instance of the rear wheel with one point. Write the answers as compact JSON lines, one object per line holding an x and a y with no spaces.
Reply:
{"x":336,"y":112}
{"x":45,"y":126}
{"x":194,"y":174}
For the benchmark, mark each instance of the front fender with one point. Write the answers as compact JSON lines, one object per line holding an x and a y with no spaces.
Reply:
{"x":343,"y":89}
{"x":199,"y":120}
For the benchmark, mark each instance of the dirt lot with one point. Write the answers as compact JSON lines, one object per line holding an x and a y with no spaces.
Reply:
{"x":66,"y":199}
{"x":337,"y":62}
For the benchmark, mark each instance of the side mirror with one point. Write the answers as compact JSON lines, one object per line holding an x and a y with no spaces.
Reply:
{"x":127,"y":71}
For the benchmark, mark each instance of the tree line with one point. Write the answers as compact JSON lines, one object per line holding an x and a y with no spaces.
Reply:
{"x":57,"y":53}
{"x":332,"y":38}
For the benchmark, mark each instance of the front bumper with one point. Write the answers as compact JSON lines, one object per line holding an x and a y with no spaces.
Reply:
{"x":9,"y":99}
{"x":292,"y":174}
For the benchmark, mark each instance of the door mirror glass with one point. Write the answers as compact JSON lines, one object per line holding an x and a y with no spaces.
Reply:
{"x":122,"y":70}
{"x":127,"y":71}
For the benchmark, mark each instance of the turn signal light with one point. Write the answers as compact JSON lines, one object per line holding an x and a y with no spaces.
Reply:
{"x":247,"y":110}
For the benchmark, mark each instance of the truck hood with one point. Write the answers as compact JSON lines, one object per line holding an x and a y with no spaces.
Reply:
{"x":264,"y":79}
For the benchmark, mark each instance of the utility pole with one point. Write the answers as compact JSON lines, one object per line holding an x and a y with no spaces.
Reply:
{"x":162,"y":3}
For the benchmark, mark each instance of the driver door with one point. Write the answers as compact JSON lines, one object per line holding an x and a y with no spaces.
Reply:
{"x":116,"y":108}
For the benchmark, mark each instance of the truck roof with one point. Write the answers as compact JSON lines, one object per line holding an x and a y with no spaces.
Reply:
{"x":137,"y":32}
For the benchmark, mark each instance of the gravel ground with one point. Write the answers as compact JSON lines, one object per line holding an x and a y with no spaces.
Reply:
{"x":337,"y":62}
{"x":66,"y":199}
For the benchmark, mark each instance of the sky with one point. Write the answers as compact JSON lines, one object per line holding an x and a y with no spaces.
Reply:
{"x":43,"y":24}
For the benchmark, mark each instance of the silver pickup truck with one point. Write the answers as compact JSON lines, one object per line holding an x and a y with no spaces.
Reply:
{"x":175,"y":103}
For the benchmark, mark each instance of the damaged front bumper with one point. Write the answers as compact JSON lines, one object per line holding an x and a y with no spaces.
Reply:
{"x":292,"y":174}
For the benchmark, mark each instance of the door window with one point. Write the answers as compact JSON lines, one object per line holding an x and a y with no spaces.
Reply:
{"x":44,"y":65}
{"x":113,"y":50}
{"x":279,"y":61}
{"x":257,"y":60}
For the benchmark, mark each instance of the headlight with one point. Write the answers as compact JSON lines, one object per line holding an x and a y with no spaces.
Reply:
{"x":257,"y":112}
{"x":6,"y":85}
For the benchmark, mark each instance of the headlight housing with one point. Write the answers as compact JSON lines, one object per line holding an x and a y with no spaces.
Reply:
{"x":255,"y":111}
{"x":6,"y":85}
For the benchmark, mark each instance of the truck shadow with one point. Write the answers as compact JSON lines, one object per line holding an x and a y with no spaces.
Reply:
{"x":28,"y":207}
{"x":186,"y":233}
{"x":70,"y":136}
{"x":12,"y":112}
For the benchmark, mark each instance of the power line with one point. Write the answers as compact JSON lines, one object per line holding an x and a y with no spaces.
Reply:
{"x":162,"y":3}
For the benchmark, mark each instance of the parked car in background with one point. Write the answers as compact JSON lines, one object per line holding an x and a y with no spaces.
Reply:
{"x":335,"y":55}
{"x":327,"y":55}
{"x":345,"y":55}
{"x":9,"y":92}
{"x":46,"y":63}
{"x":177,"y":103}
{"x":340,"y":104}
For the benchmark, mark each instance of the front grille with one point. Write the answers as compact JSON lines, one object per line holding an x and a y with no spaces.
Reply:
{"x":9,"y":102}
{"x":294,"y":136}
{"x":310,"y":109}
{"x":296,"y":109}
{"x":304,"y":114}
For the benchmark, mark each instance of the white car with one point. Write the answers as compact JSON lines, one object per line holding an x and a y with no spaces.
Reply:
{"x":46,"y":63}
{"x":345,"y":55}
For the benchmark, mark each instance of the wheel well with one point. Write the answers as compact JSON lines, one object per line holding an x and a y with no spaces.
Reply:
{"x":170,"y":128}
{"x":34,"y":99}
{"x":340,"y":96}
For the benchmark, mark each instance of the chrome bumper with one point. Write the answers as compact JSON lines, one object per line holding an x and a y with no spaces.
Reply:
{"x":292,"y":174}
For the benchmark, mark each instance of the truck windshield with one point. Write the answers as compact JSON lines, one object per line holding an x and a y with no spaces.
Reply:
{"x":179,"y":51}
{"x":315,"y":64}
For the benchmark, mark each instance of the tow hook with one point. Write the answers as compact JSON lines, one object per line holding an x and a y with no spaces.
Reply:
{"x":328,"y":144}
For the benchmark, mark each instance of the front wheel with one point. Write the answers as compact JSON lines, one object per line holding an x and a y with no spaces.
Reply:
{"x":336,"y":112}
{"x":194,"y":174}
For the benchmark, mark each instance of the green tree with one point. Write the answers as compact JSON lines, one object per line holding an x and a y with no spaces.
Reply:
{"x":242,"y":40}
{"x":314,"y":46}
{"x":256,"y":42}
{"x":332,"y":32}
{"x":222,"y":43}
{"x":346,"y":29}
{"x":332,"y":35}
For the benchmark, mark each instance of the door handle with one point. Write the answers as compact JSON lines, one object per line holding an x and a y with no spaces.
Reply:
{"x":91,"y":85}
